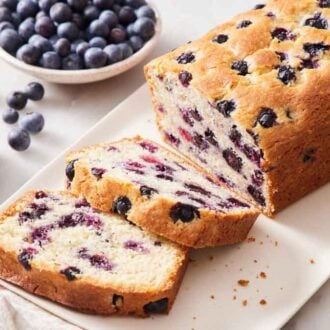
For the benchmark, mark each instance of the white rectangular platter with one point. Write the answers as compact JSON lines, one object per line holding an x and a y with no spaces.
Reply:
{"x":292,"y":253}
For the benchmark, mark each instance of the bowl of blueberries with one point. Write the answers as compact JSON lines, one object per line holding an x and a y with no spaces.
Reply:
{"x":77,"y":41}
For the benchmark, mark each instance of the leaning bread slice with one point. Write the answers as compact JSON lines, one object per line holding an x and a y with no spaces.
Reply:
{"x":160,"y":192}
{"x":55,"y":245}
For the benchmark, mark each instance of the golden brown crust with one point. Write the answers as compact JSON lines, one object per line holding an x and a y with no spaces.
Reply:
{"x":83,"y":295}
{"x":17,"y":206}
{"x":303,"y":107}
{"x":80,"y":295}
{"x":211,"y":229}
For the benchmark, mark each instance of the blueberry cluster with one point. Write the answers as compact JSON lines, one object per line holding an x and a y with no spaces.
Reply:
{"x":74,"y":34}
{"x":32,"y":123}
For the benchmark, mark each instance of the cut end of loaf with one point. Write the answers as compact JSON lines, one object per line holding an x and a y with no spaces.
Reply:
{"x":205,"y":132}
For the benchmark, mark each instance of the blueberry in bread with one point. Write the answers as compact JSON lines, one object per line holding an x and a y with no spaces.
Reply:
{"x":160,"y":192}
{"x":55,"y":245}
{"x":250,"y":101}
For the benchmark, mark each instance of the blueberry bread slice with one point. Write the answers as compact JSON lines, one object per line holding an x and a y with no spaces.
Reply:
{"x":56,"y":246}
{"x":250,"y":101}
{"x":160,"y":192}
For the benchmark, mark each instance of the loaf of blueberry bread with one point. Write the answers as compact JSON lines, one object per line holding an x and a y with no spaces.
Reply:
{"x":250,"y":101}
{"x":55,"y":245}
{"x":160,"y":192}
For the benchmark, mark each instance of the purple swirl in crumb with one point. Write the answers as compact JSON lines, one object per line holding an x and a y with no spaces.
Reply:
{"x":135,"y":246}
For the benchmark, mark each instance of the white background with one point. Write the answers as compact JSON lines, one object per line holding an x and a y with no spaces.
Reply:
{"x":70,"y":110}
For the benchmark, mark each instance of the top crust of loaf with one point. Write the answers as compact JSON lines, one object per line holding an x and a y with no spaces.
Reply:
{"x":214,"y":78}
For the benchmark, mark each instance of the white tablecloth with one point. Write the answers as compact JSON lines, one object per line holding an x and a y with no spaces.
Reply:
{"x":17,"y":313}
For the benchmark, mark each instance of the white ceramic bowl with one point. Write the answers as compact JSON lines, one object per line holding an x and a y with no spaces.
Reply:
{"x":88,"y":75}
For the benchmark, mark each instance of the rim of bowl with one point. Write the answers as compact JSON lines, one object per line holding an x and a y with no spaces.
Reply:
{"x":117,"y":68}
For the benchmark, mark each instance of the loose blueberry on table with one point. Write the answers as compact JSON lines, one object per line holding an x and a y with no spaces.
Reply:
{"x":32,"y":123}
{"x":19,"y":139}
{"x":74,"y":34}
{"x":10,"y":116}
{"x":17,"y":100}
{"x":34,"y":91}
